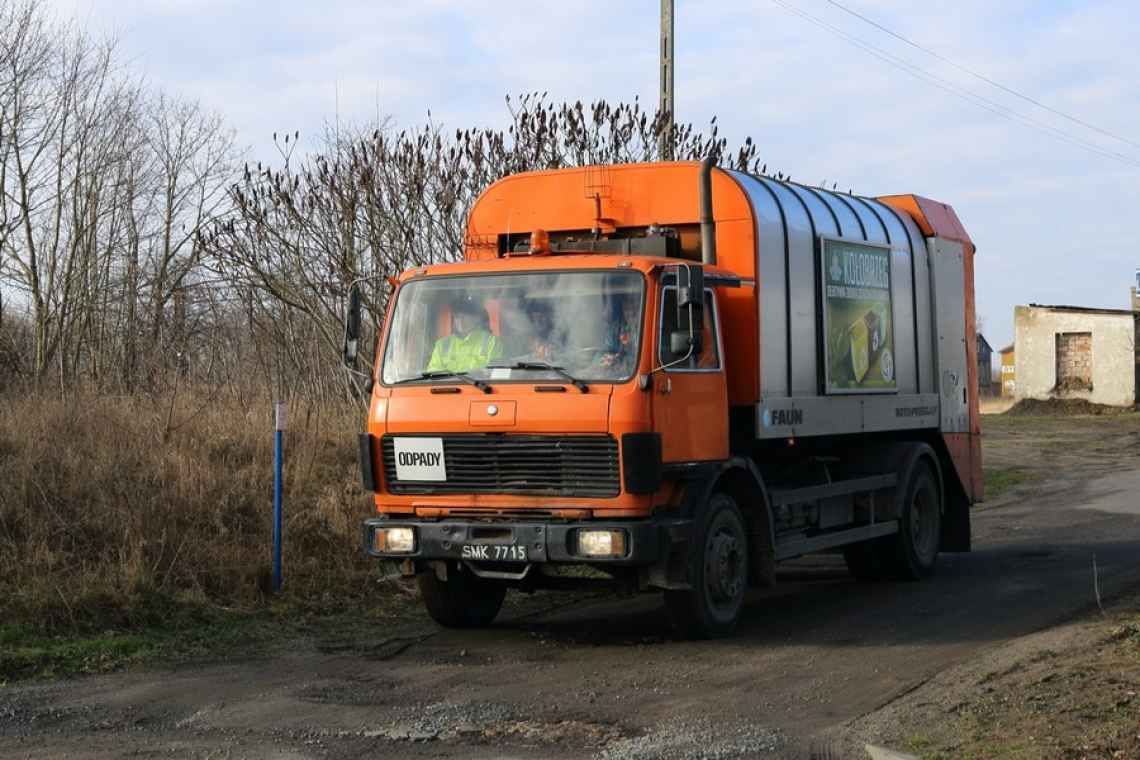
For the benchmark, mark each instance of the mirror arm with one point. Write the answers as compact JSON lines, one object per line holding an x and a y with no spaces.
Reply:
{"x":685,"y":358}
{"x":352,"y":286}
{"x":369,"y":380}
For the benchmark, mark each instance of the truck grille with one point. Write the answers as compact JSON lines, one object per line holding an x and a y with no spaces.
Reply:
{"x":582,"y":466}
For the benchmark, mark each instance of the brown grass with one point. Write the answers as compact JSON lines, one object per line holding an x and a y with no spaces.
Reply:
{"x":120,"y":511}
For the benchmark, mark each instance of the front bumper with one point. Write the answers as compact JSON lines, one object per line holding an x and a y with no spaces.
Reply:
{"x":648,"y":540}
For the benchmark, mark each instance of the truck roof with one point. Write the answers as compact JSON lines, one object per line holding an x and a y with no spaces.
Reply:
{"x":554,"y":262}
{"x":626,"y":200}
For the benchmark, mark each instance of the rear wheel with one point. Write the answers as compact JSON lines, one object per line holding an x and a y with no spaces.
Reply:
{"x":915,"y":548}
{"x":717,"y":572}
{"x":464,"y":600}
{"x":909,"y":554}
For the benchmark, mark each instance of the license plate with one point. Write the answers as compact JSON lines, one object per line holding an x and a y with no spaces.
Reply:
{"x":494,"y":552}
{"x":419,"y":459}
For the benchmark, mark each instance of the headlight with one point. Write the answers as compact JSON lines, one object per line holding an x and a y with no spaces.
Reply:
{"x":601,"y":543}
{"x":394,"y":540}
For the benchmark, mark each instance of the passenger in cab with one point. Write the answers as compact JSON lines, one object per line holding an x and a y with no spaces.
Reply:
{"x":618,"y":357}
{"x":541,"y":330}
{"x":470,"y":344}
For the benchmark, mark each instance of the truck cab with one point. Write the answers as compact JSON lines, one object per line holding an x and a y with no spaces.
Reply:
{"x":570,"y":397}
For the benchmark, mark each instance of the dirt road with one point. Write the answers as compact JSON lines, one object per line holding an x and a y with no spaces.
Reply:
{"x":601,"y":678}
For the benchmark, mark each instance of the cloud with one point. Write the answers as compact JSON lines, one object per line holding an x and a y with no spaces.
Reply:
{"x":1049,"y":218}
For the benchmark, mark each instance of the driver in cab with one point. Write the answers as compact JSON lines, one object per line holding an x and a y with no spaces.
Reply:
{"x":470,"y":344}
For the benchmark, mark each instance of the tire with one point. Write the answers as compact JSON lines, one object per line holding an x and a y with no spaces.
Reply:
{"x":914,"y":549}
{"x":717,"y":572}
{"x":911,"y":553}
{"x":464,"y":600}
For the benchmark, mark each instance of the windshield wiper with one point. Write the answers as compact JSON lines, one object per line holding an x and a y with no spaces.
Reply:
{"x":440,"y":373}
{"x":544,"y":367}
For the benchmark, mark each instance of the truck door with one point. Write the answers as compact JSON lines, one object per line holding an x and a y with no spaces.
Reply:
{"x":690,"y":397}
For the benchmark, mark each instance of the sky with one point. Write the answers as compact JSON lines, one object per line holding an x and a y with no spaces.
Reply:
{"x":1052,"y":220}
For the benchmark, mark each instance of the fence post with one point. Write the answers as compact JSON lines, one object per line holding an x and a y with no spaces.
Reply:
{"x":278,"y":430}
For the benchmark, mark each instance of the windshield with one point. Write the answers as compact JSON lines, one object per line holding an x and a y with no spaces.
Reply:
{"x":587,"y":323}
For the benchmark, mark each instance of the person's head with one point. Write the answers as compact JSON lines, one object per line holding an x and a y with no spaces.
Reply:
{"x":466,"y":315}
{"x":630,"y":309}
{"x":541,"y":320}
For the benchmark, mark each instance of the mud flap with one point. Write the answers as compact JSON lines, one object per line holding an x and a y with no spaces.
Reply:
{"x":670,"y":572}
{"x":763,"y":557}
{"x":955,"y":523}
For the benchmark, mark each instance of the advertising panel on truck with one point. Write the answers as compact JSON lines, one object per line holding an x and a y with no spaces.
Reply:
{"x":858,"y":322}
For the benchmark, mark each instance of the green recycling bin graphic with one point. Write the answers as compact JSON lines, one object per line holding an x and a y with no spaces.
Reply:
{"x":857,"y":316}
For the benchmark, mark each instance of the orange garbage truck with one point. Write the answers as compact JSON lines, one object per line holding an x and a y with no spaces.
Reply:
{"x":678,"y":376}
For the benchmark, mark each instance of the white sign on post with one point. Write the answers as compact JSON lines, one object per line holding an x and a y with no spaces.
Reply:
{"x":279,"y":415}
{"x":419,"y":459}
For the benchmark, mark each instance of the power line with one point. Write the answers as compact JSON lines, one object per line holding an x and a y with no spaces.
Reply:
{"x":983,"y":77}
{"x":982,"y":102}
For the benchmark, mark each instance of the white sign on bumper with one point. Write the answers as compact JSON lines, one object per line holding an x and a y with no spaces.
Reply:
{"x":419,"y":459}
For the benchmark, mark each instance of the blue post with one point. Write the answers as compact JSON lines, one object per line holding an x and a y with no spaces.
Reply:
{"x":278,"y":431}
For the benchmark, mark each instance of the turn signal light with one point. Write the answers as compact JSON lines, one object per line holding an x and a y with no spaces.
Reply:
{"x":539,"y":242}
{"x":394,"y":540}
{"x":601,"y":543}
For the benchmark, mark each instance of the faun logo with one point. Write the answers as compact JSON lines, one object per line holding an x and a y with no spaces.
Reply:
{"x":836,"y":268}
{"x":787,"y":416}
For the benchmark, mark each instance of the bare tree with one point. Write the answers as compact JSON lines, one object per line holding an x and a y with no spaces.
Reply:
{"x":141,"y":252}
{"x":375,"y":201}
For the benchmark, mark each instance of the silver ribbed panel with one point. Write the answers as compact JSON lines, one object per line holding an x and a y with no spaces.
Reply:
{"x":770,"y":238}
{"x":789,"y":220}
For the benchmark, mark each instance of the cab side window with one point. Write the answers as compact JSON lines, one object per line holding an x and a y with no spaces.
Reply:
{"x":709,"y":357}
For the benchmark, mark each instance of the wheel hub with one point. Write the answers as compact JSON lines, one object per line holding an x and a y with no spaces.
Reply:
{"x":723,"y":574}
{"x":923,"y":529}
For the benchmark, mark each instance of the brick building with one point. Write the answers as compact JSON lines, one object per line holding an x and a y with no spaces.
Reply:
{"x":1077,"y":352}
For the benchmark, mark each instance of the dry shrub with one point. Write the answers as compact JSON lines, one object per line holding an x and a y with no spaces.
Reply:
{"x":122,"y":511}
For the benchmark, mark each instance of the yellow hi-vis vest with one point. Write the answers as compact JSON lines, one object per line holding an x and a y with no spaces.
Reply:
{"x":456,"y":354}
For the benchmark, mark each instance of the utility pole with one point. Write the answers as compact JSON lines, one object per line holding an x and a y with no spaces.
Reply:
{"x":665,"y":140}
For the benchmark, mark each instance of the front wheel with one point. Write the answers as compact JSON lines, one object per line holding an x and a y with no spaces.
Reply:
{"x":718,"y":573}
{"x":464,"y":600}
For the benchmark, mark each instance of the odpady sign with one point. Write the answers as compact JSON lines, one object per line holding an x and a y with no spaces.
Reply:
{"x":420,"y":458}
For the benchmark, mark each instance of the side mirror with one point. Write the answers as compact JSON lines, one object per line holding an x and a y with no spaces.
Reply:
{"x":690,"y":309}
{"x":352,"y":327}
{"x":678,"y":344}
{"x":690,"y":286}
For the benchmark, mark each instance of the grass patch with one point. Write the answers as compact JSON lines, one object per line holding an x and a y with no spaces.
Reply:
{"x":918,"y":743}
{"x":200,"y":635}
{"x":136,"y":512}
{"x":138,"y":529}
{"x":1001,"y":480}
{"x":1080,"y":701}
{"x":25,"y":654}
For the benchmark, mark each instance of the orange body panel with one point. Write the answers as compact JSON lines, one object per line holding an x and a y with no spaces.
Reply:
{"x":939,"y":220}
{"x":695,"y":403}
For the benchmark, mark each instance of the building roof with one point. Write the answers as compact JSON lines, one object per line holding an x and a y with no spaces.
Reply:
{"x":1007,"y":349}
{"x":1080,"y":309}
{"x":982,"y":339}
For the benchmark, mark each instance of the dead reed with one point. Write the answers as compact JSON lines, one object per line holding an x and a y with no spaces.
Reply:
{"x":123,"y":511}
